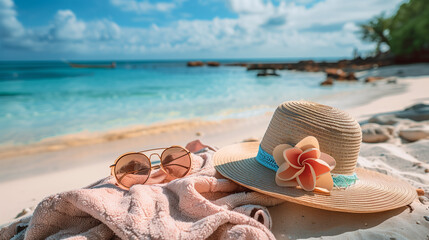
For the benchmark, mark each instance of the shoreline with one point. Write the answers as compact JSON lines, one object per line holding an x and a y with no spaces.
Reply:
{"x":87,"y":137}
{"x":349,"y":93}
{"x":29,"y":178}
{"x":90,"y":138}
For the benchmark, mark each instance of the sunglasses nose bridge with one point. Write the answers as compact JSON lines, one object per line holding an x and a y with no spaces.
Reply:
{"x":156,"y":154}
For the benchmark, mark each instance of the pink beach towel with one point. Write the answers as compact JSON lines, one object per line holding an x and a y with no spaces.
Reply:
{"x":199,"y":206}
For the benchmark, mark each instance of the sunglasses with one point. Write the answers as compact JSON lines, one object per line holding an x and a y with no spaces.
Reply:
{"x":135,"y":167}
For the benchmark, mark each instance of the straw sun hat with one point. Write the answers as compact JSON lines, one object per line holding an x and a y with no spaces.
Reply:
{"x":304,"y":133}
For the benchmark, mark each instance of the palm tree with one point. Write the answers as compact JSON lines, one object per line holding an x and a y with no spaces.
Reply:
{"x":376,"y":30}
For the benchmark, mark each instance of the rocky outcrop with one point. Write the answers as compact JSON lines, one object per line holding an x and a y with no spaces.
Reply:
{"x":213,"y":64}
{"x":340,"y":75}
{"x":195,"y":64}
{"x":345,"y":65}
{"x":236,"y":64}
{"x":327,"y":82}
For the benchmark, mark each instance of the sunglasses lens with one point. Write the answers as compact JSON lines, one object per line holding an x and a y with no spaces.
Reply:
{"x":176,"y":161}
{"x":133,"y":168}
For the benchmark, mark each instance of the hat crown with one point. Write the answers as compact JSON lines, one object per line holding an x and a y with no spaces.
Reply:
{"x":339,"y":135}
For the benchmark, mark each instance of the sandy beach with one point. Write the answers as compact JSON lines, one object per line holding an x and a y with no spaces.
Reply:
{"x":27,"y":176}
{"x":234,"y":119}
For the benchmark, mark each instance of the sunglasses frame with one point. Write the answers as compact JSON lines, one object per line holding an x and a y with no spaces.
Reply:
{"x":156,"y":166}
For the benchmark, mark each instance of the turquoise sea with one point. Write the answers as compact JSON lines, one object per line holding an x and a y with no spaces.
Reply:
{"x":39,"y":100}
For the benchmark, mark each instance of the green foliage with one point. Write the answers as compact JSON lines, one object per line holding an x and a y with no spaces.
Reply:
{"x":405,"y":32}
{"x":376,"y":30}
{"x":410,"y":28}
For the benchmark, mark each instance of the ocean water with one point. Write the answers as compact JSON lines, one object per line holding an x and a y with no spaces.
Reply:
{"x":40,"y":100}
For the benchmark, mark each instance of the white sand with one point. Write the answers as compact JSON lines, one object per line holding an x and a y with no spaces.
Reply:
{"x":79,"y":166}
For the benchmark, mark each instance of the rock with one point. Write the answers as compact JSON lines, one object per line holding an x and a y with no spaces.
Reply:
{"x":213,"y":64}
{"x":372,"y":79}
{"x":339,"y":74}
{"x":198,"y":134}
{"x":334,"y":72}
{"x":415,"y":133}
{"x":327,"y":82}
{"x":389,"y":119}
{"x":309,"y":66}
{"x":195,"y":64}
{"x":311,"y":69}
{"x":236,"y":64}
{"x":426,"y":218}
{"x":426,"y":170}
{"x":420,"y":192}
{"x":418,"y":112}
{"x":374,"y":133}
{"x":351,"y":76}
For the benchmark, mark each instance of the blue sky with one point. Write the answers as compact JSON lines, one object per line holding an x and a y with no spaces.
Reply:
{"x":183,"y":29}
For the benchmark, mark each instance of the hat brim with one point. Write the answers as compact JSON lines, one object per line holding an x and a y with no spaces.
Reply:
{"x":373,"y":192}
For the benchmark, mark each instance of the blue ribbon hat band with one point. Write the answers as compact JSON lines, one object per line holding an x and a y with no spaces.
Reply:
{"x":341,"y":181}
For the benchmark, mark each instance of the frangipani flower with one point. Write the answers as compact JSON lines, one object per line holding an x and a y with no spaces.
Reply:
{"x":304,"y":165}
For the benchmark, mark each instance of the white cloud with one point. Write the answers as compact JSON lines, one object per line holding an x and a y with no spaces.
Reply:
{"x":322,"y":13}
{"x":250,"y":6}
{"x":284,"y":30}
{"x":143,"y":6}
{"x":65,"y":34}
{"x":67,"y":27}
{"x":351,"y":27}
{"x":337,"y":11}
{"x":10,"y":27}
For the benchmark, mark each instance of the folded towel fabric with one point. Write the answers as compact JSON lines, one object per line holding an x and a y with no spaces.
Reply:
{"x":200,"y":206}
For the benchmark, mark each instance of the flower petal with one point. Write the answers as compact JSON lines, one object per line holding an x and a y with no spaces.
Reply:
{"x":291,"y":156}
{"x":308,"y":142}
{"x":307,"y":179}
{"x":309,"y":153}
{"x":286,"y":172}
{"x":325,"y":181}
{"x":278,"y":153}
{"x":328,"y":159}
{"x":319,"y":166}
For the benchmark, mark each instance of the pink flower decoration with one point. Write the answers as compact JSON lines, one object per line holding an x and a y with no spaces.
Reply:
{"x":304,"y":165}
